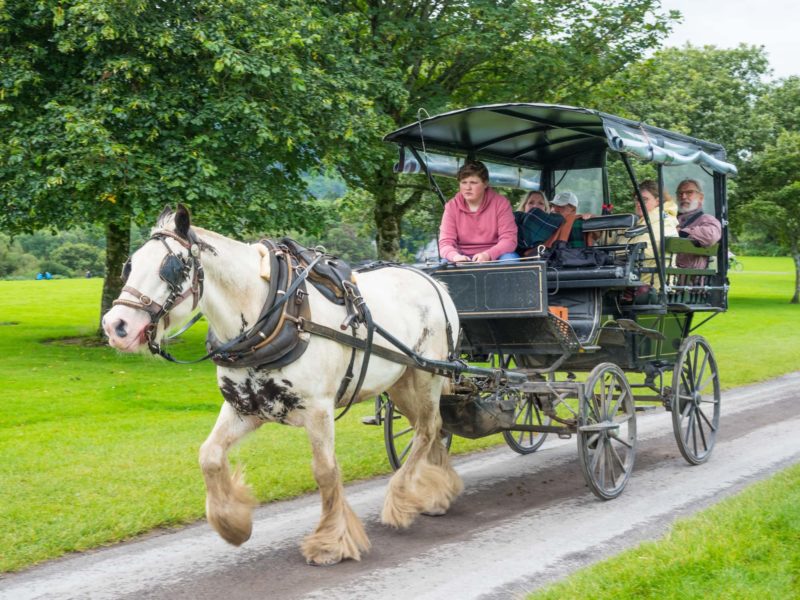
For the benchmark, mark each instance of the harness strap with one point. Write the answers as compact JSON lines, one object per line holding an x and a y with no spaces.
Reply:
{"x":379,"y":351}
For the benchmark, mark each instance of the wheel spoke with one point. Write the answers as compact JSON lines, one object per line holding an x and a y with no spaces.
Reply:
{"x":689,"y":425}
{"x":609,"y":461}
{"x":622,"y":441}
{"x":702,"y":433}
{"x":402,"y":432}
{"x":595,"y":459}
{"x":705,"y":418}
{"x":708,"y":380}
{"x":699,"y":374}
{"x":403,"y":454}
{"x":687,"y":409}
{"x":616,"y":457}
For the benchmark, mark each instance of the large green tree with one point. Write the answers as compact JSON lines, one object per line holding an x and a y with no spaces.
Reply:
{"x":110,"y":109}
{"x":706,"y":92}
{"x":771,"y":183}
{"x":452,"y":53}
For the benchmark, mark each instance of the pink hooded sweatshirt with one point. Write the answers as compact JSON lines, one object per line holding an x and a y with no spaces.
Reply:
{"x":490,"y":229}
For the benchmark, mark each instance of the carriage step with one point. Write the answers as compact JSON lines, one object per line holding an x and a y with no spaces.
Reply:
{"x":647,"y":408}
{"x":634,"y":327}
{"x":564,"y":436}
{"x":370,"y":420}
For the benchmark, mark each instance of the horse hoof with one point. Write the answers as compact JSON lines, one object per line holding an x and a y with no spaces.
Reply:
{"x":323,"y":560}
{"x":436,"y":512}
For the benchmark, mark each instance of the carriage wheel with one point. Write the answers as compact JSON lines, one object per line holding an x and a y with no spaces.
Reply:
{"x":527,"y":413}
{"x":695,"y":406}
{"x":607,"y":431}
{"x":398,"y":433}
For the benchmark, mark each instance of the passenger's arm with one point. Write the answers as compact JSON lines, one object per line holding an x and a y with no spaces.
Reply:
{"x":707,"y":232}
{"x":506,"y":231}
{"x":448,"y":235}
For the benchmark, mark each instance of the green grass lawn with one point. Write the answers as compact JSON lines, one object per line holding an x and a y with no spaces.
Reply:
{"x":99,"y":446}
{"x":746,"y":547}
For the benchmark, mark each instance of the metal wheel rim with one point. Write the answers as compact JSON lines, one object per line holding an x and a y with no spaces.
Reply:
{"x":398,"y":435}
{"x":527,"y":413}
{"x":608,"y":451}
{"x":695,"y":406}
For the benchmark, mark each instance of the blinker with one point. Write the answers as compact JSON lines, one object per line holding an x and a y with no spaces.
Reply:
{"x":172,"y":271}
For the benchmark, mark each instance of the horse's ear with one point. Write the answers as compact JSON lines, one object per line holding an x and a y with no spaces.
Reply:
{"x":164,"y":217}
{"x":183,"y":220}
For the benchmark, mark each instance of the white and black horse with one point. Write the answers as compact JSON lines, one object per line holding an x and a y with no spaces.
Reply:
{"x":231,"y":281}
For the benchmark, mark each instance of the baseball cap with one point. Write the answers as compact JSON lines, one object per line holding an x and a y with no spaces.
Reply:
{"x":564,"y":198}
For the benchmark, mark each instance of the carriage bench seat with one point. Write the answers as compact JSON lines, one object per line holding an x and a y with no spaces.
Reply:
{"x":610,"y":223}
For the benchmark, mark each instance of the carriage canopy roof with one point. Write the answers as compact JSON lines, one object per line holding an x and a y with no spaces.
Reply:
{"x":553,"y":136}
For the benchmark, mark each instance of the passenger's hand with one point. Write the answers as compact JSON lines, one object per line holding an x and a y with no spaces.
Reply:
{"x":481,"y":257}
{"x":460,"y":258}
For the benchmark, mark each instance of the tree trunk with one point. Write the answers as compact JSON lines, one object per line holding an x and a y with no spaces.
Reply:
{"x":387,"y":216}
{"x":118,"y":235}
{"x":796,"y":256}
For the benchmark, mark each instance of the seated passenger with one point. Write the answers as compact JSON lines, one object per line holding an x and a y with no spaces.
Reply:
{"x":649,"y":191}
{"x":535,"y":223}
{"x":571,"y":230}
{"x":478,"y":223}
{"x":704,"y":230}
{"x":648,"y":293}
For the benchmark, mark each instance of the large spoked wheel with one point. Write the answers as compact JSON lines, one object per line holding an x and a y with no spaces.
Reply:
{"x":527,"y":413}
{"x":398,"y":433}
{"x":607,"y":431}
{"x":695,"y":400}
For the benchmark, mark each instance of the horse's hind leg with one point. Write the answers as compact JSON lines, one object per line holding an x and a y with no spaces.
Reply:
{"x":426,"y":482}
{"x":229,"y":504}
{"x":339,"y":534}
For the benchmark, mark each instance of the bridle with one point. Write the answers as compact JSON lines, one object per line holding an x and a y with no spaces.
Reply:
{"x":174,"y":271}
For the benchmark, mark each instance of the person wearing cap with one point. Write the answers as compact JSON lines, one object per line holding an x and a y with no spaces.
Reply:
{"x":571,"y":230}
{"x":478,"y":223}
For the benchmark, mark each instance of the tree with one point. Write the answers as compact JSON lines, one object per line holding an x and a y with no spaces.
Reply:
{"x":112,"y":109}
{"x":709,"y":93}
{"x":79,"y":258}
{"x":451,"y":53}
{"x":771,"y":182}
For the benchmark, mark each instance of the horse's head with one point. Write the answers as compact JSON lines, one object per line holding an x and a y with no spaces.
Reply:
{"x":158,"y":277}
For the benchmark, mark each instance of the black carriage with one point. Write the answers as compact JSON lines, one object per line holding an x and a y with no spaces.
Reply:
{"x":566,"y":338}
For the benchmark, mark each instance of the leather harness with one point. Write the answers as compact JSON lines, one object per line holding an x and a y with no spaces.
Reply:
{"x":274,"y":340}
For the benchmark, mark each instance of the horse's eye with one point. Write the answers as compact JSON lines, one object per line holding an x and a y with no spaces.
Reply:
{"x":126,"y":271}
{"x":172,"y":271}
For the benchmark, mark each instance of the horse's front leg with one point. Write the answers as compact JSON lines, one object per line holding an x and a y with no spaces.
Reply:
{"x":339,"y":534}
{"x":229,"y":503}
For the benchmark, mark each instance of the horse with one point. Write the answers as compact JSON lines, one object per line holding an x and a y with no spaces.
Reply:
{"x":230,"y":281}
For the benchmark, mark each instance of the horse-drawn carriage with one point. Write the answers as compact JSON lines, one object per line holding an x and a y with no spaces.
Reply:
{"x":547,"y":322}
{"x":294,"y":333}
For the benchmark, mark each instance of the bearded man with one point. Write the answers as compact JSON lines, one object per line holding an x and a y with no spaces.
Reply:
{"x":704,"y":230}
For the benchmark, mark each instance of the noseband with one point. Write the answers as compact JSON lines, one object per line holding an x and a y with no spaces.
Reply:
{"x":174,"y":271}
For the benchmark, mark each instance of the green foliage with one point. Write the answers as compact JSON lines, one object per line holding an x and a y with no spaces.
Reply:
{"x":709,"y":93}
{"x":79,"y":258}
{"x":452,"y":54}
{"x":771,"y":184}
{"x":14,"y":261}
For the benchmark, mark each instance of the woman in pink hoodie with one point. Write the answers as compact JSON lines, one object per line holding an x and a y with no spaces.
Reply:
{"x":478,"y":223}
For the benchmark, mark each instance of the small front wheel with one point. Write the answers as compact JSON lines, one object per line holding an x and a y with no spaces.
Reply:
{"x":526,"y":413}
{"x":398,"y":434}
{"x":607,"y":431}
